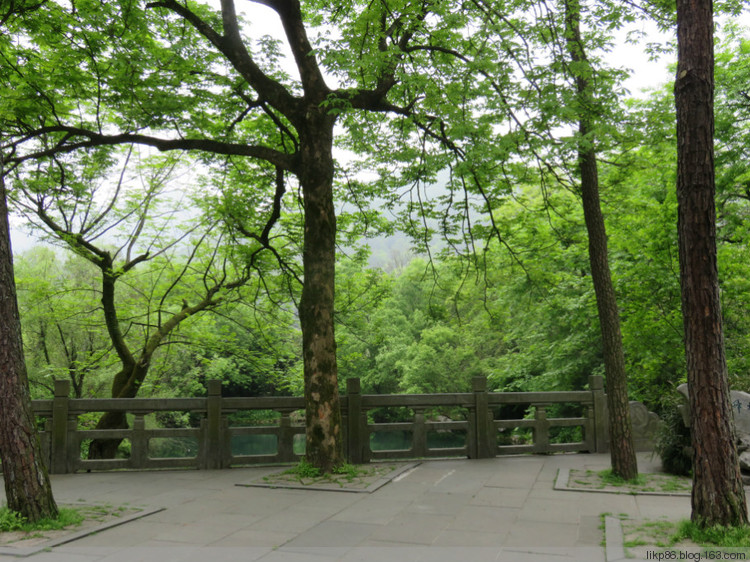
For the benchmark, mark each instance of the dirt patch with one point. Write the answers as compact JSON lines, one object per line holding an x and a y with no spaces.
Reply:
{"x":365,"y":478}
{"x":642,"y":538}
{"x":650,"y":483}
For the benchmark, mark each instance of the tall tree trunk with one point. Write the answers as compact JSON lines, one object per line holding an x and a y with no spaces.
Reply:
{"x":27,"y":486}
{"x":324,"y":439}
{"x":622,"y":448}
{"x":718,"y":497}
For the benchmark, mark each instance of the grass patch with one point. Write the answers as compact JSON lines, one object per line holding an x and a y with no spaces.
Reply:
{"x":727,"y":537}
{"x":643,"y":537}
{"x":610,"y":478}
{"x":16,"y":532}
{"x":11,"y":521}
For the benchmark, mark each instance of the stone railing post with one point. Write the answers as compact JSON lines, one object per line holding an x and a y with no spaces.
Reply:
{"x":484,"y":445}
{"x":59,"y":441}
{"x":589,"y":429}
{"x":541,"y":429}
{"x":285,"y":446}
{"x":213,"y":436}
{"x":354,"y":426}
{"x":138,"y":442}
{"x":596,"y":384}
{"x":419,"y":434}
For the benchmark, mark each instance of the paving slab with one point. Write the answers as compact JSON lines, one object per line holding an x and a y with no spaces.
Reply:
{"x":491,"y":509}
{"x":542,"y":554}
{"x":375,"y":510}
{"x":558,"y":510}
{"x":524,"y":476}
{"x":500,"y":497}
{"x":413,"y":528}
{"x":453,"y":553}
{"x":437,"y":503}
{"x":384,"y":552}
{"x":455,"y":538}
{"x":482,"y":519}
{"x":557,"y":535}
{"x":255,"y":538}
{"x":334,"y":533}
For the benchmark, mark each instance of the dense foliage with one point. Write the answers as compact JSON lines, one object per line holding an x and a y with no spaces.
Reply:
{"x":523,"y":315}
{"x":464,"y":144}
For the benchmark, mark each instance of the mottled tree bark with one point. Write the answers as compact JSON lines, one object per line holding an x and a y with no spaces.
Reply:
{"x":27,"y":486}
{"x":718,"y":497}
{"x":622,"y":448}
{"x":324,"y":439}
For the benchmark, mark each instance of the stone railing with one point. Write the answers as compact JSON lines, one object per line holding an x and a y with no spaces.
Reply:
{"x":217,"y":440}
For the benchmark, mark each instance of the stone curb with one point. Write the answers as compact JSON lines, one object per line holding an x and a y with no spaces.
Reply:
{"x":614,"y":549}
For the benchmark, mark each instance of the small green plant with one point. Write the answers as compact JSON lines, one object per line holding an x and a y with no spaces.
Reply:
{"x":304,"y":469}
{"x":349,"y":471}
{"x":10,"y":520}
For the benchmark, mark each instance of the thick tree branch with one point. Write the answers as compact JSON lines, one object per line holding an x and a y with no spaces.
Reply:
{"x":94,"y":139}
{"x":313,"y":83}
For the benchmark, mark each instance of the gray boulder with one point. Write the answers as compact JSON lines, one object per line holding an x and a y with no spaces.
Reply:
{"x":740,"y":403}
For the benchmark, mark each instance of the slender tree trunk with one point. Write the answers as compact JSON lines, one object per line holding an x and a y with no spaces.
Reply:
{"x":324,"y":439}
{"x":107,"y":448}
{"x":622,"y":449}
{"x":127,"y":382}
{"x":718,"y":497}
{"x":27,"y":486}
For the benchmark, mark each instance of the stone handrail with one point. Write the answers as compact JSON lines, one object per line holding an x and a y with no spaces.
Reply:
{"x":62,"y":438}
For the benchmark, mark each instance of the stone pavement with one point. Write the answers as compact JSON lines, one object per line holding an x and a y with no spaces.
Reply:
{"x":501,"y":509}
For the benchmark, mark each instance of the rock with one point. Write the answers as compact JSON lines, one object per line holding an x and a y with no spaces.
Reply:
{"x":685,"y":408}
{"x":740,"y":403}
{"x":745,"y":461}
{"x":743,"y":443}
{"x":645,"y":426}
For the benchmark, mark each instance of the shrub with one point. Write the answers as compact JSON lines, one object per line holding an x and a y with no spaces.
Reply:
{"x":673,"y":441}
